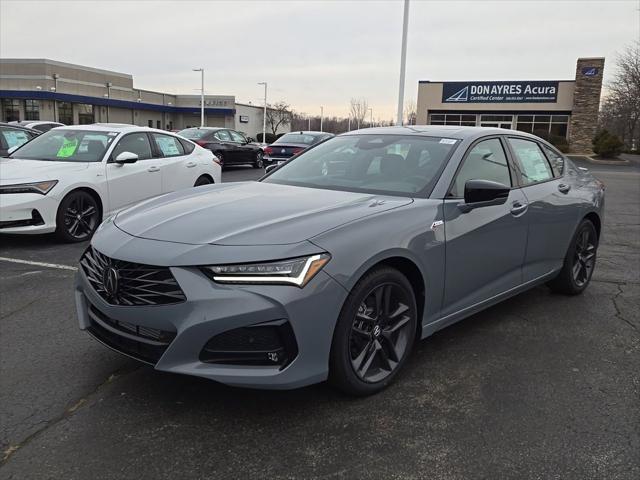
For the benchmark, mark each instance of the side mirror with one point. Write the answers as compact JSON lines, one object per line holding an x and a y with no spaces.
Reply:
{"x":12,"y":149}
{"x":479,"y":193}
{"x":126,"y":157}
{"x":269,"y":168}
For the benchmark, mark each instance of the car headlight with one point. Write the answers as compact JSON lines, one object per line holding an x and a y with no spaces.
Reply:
{"x":293,"y":271}
{"x":36,"y":187}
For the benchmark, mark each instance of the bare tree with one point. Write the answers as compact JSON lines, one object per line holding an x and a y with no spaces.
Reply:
{"x":621,"y":109}
{"x":278,"y":115}
{"x":358,"y":110}
{"x":410,"y":113}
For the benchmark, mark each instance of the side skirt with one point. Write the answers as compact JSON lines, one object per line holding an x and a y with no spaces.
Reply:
{"x":455,"y":317}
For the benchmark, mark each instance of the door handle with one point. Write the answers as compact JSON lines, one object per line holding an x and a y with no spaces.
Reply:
{"x":191,"y":164}
{"x":564,"y":188}
{"x":153,"y":169}
{"x":519,"y":208}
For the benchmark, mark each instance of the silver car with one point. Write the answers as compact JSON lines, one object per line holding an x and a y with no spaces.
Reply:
{"x":335,"y":263}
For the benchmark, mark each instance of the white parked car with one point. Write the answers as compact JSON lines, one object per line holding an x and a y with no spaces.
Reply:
{"x":70,"y":178}
{"x":40,"y":125}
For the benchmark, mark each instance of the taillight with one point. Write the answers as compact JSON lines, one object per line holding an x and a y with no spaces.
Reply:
{"x":202,"y":143}
{"x":268,"y":150}
{"x":297,"y":150}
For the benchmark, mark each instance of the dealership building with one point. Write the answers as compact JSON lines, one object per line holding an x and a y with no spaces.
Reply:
{"x":42,"y":89}
{"x":551,"y":108}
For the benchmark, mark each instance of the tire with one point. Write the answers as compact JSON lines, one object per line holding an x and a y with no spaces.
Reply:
{"x":203,"y":180}
{"x":259,"y":161}
{"x":579,"y":262}
{"x":72,"y":225}
{"x":368,"y":349}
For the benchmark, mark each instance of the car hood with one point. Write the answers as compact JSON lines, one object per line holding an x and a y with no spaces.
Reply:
{"x":13,"y":170}
{"x":249,"y":213}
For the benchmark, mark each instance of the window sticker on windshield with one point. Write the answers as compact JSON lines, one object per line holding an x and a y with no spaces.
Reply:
{"x":68,"y":148}
{"x":447,"y":141}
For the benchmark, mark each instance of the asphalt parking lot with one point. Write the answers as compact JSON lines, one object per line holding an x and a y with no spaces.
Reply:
{"x":542,"y":386}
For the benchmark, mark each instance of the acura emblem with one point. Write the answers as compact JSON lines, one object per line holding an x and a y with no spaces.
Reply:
{"x":284,"y":150}
{"x":110,"y":280}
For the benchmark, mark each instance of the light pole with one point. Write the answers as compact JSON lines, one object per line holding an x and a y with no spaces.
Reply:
{"x":349,"y":128}
{"x":201,"y":70}
{"x":264,"y":113}
{"x":55,"y":102}
{"x":321,"y":116}
{"x":309,"y":122}
{"x":403,"y":61}
{"x":371,"y":117}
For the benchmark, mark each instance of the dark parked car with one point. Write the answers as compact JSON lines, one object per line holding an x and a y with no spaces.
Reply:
{"x":231,"y":147}
{"x":40,"y":125}
{"x":291,"y":144}
{"x":331,"y":265}
{"x":13,"y":135}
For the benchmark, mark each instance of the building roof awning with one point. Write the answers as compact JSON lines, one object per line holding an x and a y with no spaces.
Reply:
{"x":110,"y":102}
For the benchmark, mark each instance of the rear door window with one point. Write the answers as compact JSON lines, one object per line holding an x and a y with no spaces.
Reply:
{"x":169,"y":146}
{"x":532,"y":163}
{"x":223,"y":136}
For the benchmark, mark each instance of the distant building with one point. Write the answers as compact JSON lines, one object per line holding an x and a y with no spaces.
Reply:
{"x":42,"y":89}
{"x":560,"y":108}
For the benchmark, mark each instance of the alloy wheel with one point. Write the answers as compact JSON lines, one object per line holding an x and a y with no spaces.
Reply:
{"x":259,"y":160}
{"x":585,"y":257}
{"x":380,"y":332}
{"x":81,"y":216}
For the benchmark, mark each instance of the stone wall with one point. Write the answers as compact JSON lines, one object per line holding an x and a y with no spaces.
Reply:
{"x":586,"y":103}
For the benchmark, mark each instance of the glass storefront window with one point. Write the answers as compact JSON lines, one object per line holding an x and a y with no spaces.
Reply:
{"x":65,"y":113}
{"x":32,"y":110}
{"x":544,"y":125}
{"x":85,"y":114}
{"x":452,"y":119}
{"x":10,"y":110}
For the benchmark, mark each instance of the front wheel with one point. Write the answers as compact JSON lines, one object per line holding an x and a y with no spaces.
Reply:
{"x":78,"y":217}
{"x":202,"y":180}
{"x":259,"y":161}
{"x":374,"y":334}
{"x":579,"y":261}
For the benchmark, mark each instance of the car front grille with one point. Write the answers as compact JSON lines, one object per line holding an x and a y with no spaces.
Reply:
{"x":130,"y":284}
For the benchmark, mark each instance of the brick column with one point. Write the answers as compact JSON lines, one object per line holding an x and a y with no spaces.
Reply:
{"x":586,"y":104}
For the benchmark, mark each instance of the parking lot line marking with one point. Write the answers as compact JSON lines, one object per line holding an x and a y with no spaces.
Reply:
{"x":38,"y":264}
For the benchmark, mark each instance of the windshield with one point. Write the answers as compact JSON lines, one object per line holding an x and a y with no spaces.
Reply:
{"x":297,"y":138}
{"x":194,"y":133}
{"x":389,"y":164}
{"x":67,"y":146}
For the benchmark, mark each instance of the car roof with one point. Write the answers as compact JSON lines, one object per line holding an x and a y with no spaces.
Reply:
{"x":19,"y":127}
{"x":307,"y":132}
{"x":35,"y":122}
{"x":448,"y":131}
{"x":113,"y":127}
{"x":207,"y":128}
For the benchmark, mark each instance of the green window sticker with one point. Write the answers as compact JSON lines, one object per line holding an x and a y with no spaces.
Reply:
{"x":68,"y":148}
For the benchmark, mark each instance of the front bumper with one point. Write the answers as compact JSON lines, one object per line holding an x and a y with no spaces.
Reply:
{"x":18,"y":213}
{"x":211,"y":309}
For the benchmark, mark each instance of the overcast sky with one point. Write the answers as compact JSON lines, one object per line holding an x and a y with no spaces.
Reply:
{"x":320,"y":52}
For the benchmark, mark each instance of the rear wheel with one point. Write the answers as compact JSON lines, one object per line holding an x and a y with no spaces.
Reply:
{"x":374,"y":334}
{"x":259,"y":161}
{"x":579,"y":261}
{"x":203,"y":180}
{"x":78,"y":217}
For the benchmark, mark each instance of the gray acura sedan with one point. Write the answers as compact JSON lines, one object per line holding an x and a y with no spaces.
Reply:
{"x":334,"y":264}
